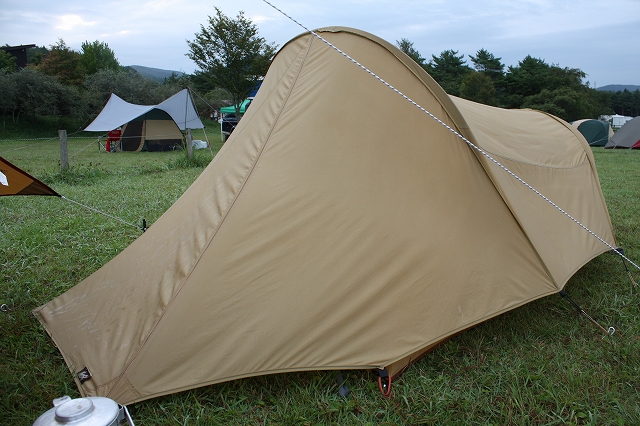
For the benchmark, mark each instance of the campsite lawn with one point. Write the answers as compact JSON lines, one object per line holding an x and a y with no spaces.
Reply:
{"x":539,"y":364}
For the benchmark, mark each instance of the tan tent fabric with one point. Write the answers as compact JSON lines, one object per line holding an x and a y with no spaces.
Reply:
{"x":157,"y":135}
{"x":327,"y":234}
{"x":559,"y":163}
{"x":162,"y":129}
{"x":15,"y":181}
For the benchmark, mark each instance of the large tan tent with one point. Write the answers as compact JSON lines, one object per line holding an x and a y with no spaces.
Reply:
{"x":327,"y":236}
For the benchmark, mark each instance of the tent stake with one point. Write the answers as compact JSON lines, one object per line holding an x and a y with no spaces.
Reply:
{"x":620,"y":251}
{"x":343,"y":390}
{"x":608,"y":332}
{"x":384,"y":382}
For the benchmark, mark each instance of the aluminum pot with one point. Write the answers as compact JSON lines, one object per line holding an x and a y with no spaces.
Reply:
{"x":90,"y":411}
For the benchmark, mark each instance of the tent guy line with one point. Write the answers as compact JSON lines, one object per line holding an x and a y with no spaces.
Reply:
{"x":15,"y":181}
{"x":143,"y":227}
{"x":85,"y":147}
{"x":468,"y":142}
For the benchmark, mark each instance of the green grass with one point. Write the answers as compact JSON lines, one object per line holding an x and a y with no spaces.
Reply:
{"x":539,"y":364}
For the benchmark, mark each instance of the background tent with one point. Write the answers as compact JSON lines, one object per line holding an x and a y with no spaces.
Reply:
{"x":232,"y":109}
{"x":150,"y":127}
{"x":628,"y":136}
{"x":14,"y":181}
{"x":596,"y":132}
{"x":321,"y":237}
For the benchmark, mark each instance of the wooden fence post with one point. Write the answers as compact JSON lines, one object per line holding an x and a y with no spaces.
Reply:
{"x":189,"y":144}
{"x":64,"y":153}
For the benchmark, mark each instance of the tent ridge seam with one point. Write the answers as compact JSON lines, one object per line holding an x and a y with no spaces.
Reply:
{"x":253,"y":166}
{"x":222,"y":220}
{"x":264,"y":146}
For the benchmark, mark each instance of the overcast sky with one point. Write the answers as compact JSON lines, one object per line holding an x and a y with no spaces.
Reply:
{"x":602,"y":38}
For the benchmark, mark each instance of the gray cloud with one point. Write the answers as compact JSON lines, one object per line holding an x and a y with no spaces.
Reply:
{"x":598,"y":37}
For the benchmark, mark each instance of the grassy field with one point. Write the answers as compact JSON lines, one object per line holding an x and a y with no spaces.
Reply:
{"x":540,"y":364}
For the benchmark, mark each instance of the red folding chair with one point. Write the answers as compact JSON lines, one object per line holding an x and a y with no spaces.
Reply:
{"x":113,"y":136}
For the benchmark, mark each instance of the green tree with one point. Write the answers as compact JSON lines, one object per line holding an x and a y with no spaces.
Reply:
{"x":35,"y":55}
{"x":202,"y":82}
{"x":209,"y":96}
{"x":478,"y":87}
{"x":449,"y":70}
{"x":38,"y":94}
{"x":491,"y":66}
{"x":553,"y":89}
{"x":533,"y":75}
{"x":8,"y":92}
{"x":528,"y":78}
{"x":564,"y":102}
{"x":407,"y":47}
{"x":625,"y":102}
{"x":7,"y":61}
{"x":64,"y":63}
{"x":210,"y":101}
{"x":231,"y":54}
{"x":173,"y":84}
{"x":126,"y":83}
{"x":602,"y":101}
{"x":98,"y":56}
{"x":488,"y":64}
{"x":179,"y":80}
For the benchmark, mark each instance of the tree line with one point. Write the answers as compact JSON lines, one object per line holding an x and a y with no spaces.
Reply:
{"x":232,"y":57}
{"x":533,"y":83}
{"x":65,"y":83}
{"x":626,"y":102}
{"x":62,"y":82}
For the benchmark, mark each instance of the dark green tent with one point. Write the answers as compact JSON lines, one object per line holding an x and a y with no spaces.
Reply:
{"x":596,"y":132}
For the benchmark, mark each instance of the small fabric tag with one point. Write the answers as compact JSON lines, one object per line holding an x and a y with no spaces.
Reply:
{"x":84,"y":375}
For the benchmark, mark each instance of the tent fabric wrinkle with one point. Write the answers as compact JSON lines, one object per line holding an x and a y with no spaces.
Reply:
{"x":321,"y":228}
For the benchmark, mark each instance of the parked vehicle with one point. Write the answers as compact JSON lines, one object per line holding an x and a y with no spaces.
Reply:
{"x":227,"y":124}
{"x":229,"y":121}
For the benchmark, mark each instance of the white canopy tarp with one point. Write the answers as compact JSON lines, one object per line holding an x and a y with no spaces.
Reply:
{"x":118,"y":112}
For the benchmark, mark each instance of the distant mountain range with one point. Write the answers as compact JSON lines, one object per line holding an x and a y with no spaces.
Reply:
{"x":619,"y":88}
{"x":155,"y":73}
